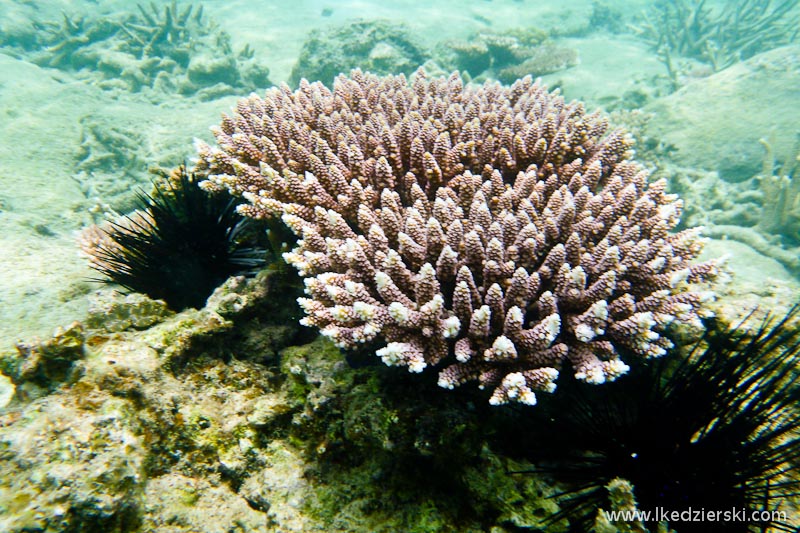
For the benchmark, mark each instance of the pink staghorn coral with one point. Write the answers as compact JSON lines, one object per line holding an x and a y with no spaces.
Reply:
{"x":497,"y":230}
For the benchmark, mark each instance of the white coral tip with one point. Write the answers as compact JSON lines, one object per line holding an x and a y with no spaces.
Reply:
{"x":382,"y":279}
{"x":451,"y":326}
{"x":399,"y":312}
{"x":592,"y":374}
{"x":584,"y":332}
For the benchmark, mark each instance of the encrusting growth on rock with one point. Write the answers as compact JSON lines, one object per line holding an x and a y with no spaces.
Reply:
{"x":497,"y":230}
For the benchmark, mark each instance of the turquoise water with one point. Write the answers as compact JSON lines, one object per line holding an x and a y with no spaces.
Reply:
{"x":94,"y":96}
{"x":98,"y":107}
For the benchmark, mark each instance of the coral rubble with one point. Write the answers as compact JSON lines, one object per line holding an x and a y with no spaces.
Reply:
{"x":174,"y":49}
{"x":497,"y":229}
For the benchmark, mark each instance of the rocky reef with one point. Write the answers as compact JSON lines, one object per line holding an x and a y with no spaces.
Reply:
{"x":506,"y":56}
{"x":378,"y":46}
{"x":157,"y":421}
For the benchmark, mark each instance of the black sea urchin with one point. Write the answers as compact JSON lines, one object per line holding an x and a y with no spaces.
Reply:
{"x":178,"y":247}
{"x":714,"y":431}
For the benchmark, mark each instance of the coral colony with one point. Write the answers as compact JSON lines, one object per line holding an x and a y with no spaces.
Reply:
{"x":496,"y":229}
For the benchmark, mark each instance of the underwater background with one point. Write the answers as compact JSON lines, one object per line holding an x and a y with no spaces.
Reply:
{"x":232,"y":417}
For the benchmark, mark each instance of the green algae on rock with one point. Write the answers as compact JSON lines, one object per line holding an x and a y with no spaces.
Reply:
{"x":161,"y":426}
{"x":41,"y":365}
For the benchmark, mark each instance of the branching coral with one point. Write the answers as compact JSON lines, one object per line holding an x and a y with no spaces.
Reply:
{"x":168,"y":48}
{"x":739,"y":31}
{"x":169,"y":35}
{"x":780,"y":188}
{"x":497,"y":229}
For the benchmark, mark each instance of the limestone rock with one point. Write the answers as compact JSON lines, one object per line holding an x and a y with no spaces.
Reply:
{"x":715,"y":123}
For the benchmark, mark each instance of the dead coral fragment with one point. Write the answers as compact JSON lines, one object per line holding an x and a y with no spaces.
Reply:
{"x":498,"y":229}
{"x":780,"y":188}
{"x":508,"y":56}
{"x":46,"y":363}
